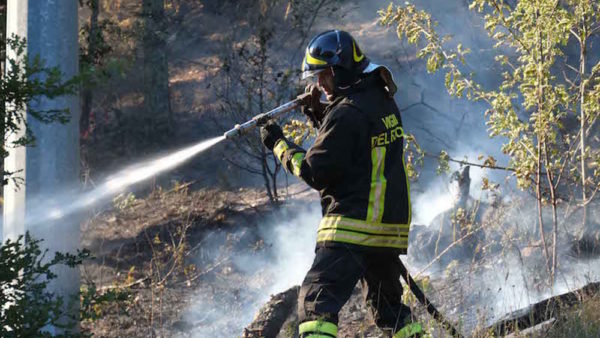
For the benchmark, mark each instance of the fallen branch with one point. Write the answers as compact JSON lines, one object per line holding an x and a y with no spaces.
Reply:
{"x":123,"y":286}
{"x":542,"y":311}
{"x":180,"y":187}
{"x":272,"y":315}
{"x":465,"y":162}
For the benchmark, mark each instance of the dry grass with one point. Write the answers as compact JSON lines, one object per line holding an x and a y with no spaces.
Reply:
{"x":149,"y":248}
{"x":582,"y":320}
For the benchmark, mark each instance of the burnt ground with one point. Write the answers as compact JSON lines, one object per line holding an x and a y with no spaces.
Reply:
{"x":137,"y":249}
{"x":184,"y":258}
{"x":235,"y":262}
{"x":475,"y":284}
{"x":202,"y":264}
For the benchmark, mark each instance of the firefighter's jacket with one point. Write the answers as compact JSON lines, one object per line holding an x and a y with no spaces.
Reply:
{"x":357,"y":164}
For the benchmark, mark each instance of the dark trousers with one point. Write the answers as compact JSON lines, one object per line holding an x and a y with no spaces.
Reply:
{"x":333,"y":275}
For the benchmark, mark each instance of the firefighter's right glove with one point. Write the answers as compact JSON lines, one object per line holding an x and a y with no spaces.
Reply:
{"x":270,"y":134}
{"x":312,"y":106}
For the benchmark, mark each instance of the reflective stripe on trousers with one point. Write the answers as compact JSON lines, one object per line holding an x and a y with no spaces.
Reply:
{"x":317,"y":329}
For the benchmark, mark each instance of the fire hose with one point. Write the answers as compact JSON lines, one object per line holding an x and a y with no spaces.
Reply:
{"x":431,"y":309}
{"x":261,"y":119}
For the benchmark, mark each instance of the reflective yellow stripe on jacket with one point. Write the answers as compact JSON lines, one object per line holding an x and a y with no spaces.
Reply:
{"x":279,"y":149}
{"x":295,"y":161}
{"x":349,"y":230}
{"x":378,"y":185}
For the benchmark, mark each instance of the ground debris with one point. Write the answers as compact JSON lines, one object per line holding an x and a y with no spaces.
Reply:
{"x":587,"y":245}
{"x":271,"y":317}
{"x":278,"y":317}
{"x":134,"y":246}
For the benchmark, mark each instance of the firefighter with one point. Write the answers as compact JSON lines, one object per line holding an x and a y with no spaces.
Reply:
{"x":357,"y":165}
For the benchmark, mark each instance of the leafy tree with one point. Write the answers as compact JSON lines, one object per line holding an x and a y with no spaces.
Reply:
{"x":531,"y":106}
{"x":584,"y":92}
{"x":28,"y":308}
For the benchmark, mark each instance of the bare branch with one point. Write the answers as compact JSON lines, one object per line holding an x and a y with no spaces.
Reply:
{"x":248,"y":169}
{"x":575,"y":34}
{"x":441,"y":254}
{"x":464,"y":162}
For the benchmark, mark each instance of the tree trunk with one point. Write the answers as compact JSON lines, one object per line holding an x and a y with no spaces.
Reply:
{"x":86,"y":94}
{"x":265,"y":175}
{"x":269,"y":320}
{"x":2,"y":66}
{"x":2,"y":36}
{"x":582,"y":86}
{"x":157,"y":116}
{"x":551,"y":184}
{"x":53,"y":165}
{"x":276,"y":168}
{"x":538,"y":195}
{"x":540,"y":143}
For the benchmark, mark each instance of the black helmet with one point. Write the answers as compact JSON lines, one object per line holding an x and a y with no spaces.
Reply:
{"x":337,"y":49}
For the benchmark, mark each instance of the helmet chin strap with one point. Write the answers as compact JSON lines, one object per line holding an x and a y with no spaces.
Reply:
{"x":344,"y":80}
{"x":358,"y":81}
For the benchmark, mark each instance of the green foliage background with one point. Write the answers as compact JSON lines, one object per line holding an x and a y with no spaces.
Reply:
{"x":534,"y":102}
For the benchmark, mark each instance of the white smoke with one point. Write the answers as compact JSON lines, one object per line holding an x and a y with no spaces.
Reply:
{"x":440,"y":193}
{"x":293,"y":244}
{"x":437,"y":198}
{"x":223,"y":307}
{"x":478,"y":294}
{"x":508,"y":286}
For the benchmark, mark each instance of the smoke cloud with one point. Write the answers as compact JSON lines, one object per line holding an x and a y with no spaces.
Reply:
{"x":223,"y":306}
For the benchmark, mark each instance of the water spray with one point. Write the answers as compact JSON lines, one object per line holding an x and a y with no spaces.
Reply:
{"x":66,"y":205}
{"x":261,"y":119}
{"x":142,"y":171}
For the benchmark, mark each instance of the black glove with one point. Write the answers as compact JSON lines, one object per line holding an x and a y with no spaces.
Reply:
{"x":270,"y":134}
{"x":312,"y":106}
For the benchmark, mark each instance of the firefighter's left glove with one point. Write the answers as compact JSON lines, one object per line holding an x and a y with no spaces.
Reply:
{"x":270,"y":134}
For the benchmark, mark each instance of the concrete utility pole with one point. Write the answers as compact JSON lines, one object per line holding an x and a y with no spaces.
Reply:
{"x":51,"y":30}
